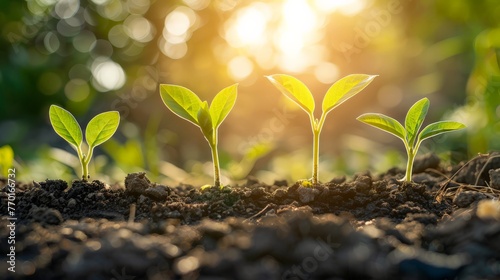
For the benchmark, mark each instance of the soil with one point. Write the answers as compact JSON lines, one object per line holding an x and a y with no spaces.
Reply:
{"x":444,"y":225}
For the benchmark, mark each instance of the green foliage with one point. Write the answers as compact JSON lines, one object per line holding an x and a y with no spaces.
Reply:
{"x":99,"y":130}
{"x":409,"y":133}
{"x":481,"y":111}
{"x":337,"y":94}
{"x":6,"y":160}
{"x":187,"y":105}
{"x":239,"y":170}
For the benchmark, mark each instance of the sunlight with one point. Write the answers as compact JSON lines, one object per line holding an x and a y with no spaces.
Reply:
{"x":347,"y":7}
{"x":299,"y":16}
{"x":299,"y":20}
{"x":287,"y":34}
{"x":249,"y":26}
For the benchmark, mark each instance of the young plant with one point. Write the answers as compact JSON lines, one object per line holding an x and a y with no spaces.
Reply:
{"x":337,"y":94}
{"x":187,"y":105}
{"x":6,"y":160}
{"x":409,"y":133}
{"x":98,"y":131}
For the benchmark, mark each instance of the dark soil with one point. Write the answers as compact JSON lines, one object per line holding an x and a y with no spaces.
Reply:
{"x":367,"y":227}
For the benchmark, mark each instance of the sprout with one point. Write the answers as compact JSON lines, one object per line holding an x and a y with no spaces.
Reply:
{"x":338,"y":93}
{"x":409,"y":133}
{"x":187,"y":105}
{"x":98,"y":131}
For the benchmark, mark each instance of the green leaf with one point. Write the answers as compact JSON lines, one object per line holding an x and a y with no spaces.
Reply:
{"x":384,"y":123}
{"x":437,"y":128}
{"x":65,"y":125}
{"x":101,"y":128}
{"x":295,"y":90}
{"x":205,"y":122}
{"x":414,"y":119}
{"x":344,"y":89}
{"x":222,"y":104}
{"x":181,"y":101}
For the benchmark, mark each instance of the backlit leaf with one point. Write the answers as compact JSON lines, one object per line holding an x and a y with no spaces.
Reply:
{"x":437,"y":128}
{"x":295,"y":90}
{"x":222,"y":104}
{"x":344,"y":89}
{"x":181,"y":101}
{"x":205,"y":122}
{"x":65,"y":125}
{"x":101,"y":128}
{"x":384,"y":123}
{"x":414,"y":119}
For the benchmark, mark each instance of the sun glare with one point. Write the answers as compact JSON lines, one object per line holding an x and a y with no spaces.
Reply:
{"x":286,"y":34}
{"x":251,"y":26}
{"x":299,"y":16}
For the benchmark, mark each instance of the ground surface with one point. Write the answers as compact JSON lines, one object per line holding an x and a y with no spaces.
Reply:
{"x":365,"y":227}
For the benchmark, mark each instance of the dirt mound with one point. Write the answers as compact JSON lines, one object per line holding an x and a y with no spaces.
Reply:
{"x":371,"y":227}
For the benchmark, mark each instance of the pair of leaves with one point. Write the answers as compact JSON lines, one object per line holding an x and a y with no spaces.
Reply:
{"x":337,"y":94}
{"x":99,"y":129}
{"x":413,"y":122}
{"x":187,"y":105}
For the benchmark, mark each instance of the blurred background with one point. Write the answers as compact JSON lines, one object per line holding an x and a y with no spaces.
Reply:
{"x":91,"y":56}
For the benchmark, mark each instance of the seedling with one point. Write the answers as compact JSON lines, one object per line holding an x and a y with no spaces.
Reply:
{"x":337,"y":94}
{"x":187,"y":105}
{"x":98,"y":131}
{"x":409,"y":133}
{"x":6,"y":160}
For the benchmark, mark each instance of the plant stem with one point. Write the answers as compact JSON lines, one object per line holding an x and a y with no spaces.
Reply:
{"x":85,"y":165}
{"x":315,"y":156}
{"x":215,"y":158}
{"x":409,"y":165}
{"x":317,"y":126}
{"x":82,"y":159}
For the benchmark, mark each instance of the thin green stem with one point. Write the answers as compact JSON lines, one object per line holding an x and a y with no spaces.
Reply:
{"x":412,"y":153}
{"x":409,"y":165}
{"x":315,"y":156}
{"x":317,"y":127}
{"x":85,"y":165}
{"x":82,"y":159}
{"x":215,"y":158}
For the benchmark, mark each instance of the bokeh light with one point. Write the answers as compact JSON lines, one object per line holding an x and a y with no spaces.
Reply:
{"x":66,"y":9}
{"x":84,"y":41}
{"x":139,"y":28}
{"x":77,"y":90}
{"x":240,"y":68}
{"x":51,"y":42}
{"x":177,"y":31}
{"x":248,"y":26}
{"x":107,"y":75}
{"x":326,"y":72}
